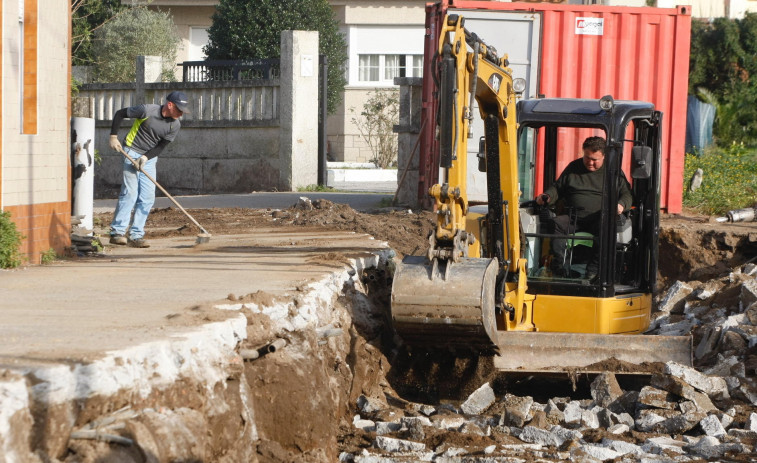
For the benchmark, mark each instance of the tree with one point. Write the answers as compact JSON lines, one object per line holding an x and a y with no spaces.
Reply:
{"x":87,"y":16}
{"x":722,"y":62}
{"x":136,"y":31}
{"x":244,"y":29}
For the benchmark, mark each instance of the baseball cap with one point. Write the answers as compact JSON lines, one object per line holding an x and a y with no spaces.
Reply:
{"x":180,"y":100}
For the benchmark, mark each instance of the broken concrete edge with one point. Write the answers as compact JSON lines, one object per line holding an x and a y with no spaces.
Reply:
{"x":204,"y":355}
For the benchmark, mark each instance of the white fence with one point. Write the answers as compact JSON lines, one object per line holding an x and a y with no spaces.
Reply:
{"x":229,"y":103}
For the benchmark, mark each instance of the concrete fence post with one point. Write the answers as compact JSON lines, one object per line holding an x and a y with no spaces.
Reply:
{"x":148,"y":70}
{"x":298,"y":109}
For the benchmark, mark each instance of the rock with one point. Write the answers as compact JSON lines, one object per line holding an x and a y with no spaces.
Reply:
{"x":390,"y":444}
{"x":490,"y":449}
{"x":712,"y":386}
{"x":751,"y":422}
{"x":726,"y":419}
{"x":647,"y":421}
{"x":626,"y":403}
{"x":566,"y":434}
{"x":448,"y":421}
{"x":673,"y":299}
{"x":589,"y":419}
{"x":427,"y":410}
{"x":679,"y":328}
{"x":660,"y":444}
{"x":624,"y":418}
{"x":534,"y":435}
{"x":733,"y":342}
{"x":384,"y":427}
{"x":413,"y":428}
{"x":517,"y":409}
{"x":452,"y":451}
{"x":605,"y":389}
{"x":365,"y":425}
{"x":751,"y":313}
{"x":657,"y":398}
{"x":572,"y":414}
{"x":708,"y":342}
{"x":554,"y":414}
{"x":540,"y":420}
{"x":472,"y":429}
{"x":622,"y":447}
{"x":304,"y":204}
{"x":740,"y":434}
{"x":619,"y":428}
{"x":596,"y":451}
{"x":710,"y":447}
{"x":368,"y":405}
{"x":711,"y":426}
{"x":723,"y":365}
{"x":748,"y":293}
{"x":678,"y":424}
{"x":604,"y":416}
{"x":481,"y":399}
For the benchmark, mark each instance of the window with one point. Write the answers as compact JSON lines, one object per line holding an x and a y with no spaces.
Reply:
{"x":384,"y":68}
{"x":368,"y":69}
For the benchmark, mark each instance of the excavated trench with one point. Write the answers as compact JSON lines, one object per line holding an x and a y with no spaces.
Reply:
{"x":343,"y":388}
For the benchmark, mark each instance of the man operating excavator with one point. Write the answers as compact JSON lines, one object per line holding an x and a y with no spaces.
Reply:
{"x":580,"y":186}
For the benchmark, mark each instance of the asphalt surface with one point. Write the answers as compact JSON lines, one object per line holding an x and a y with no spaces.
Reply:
{"x":262,"y":200}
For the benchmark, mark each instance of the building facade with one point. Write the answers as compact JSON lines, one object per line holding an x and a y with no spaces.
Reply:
{"x":385,"y":40}
{"x":34,"y":149}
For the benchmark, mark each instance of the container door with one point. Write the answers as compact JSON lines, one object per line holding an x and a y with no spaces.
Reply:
{"x":517,"y":34}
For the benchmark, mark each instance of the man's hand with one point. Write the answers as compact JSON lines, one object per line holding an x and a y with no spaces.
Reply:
{"x":141,"y":161}
{"x":620,"y":209}
{"x":115,"y":145}
{"x":542,"y":199}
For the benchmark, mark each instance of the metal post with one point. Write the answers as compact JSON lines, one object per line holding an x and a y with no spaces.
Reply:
{"x":322,"y":162}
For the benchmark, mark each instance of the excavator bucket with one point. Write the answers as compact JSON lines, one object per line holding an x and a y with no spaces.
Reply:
{"x":445,"y":303}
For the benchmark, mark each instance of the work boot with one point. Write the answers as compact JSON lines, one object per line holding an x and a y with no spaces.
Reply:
{"x":118,"y":239}
{"x":139,"y":243}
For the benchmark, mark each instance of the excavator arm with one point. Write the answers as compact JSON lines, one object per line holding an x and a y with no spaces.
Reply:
{"x":448,"y":297}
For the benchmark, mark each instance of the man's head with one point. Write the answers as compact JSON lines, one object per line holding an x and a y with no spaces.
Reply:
{"x":594,"y":153}
{"x":177,"y":104}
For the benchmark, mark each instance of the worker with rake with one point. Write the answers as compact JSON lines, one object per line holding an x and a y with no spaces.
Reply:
{"x":154,"y":127}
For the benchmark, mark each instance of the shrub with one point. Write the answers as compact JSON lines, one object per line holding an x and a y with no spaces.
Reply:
{"x":376,"y":125}
{"x":10,"y":242}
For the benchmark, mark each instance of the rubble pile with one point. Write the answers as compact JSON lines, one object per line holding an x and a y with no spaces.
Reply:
{"x":721,"y":315}
{"x":682,"y":414}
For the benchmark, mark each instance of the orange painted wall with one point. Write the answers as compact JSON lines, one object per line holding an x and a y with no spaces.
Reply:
{"x":44,"y":225}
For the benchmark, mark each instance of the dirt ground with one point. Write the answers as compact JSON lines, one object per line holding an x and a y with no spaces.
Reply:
{"x":692,"y":247}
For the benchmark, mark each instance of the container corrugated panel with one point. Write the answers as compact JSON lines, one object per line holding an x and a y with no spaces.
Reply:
{"x":642,"y":54}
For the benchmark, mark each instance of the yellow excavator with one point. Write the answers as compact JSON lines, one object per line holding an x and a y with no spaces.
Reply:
{"x":485,"y":282}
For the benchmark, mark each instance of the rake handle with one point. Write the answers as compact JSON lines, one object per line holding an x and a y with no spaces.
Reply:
{"x":168,"y":195}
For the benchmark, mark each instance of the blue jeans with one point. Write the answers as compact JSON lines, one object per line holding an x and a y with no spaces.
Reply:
{"x":137,"y":194}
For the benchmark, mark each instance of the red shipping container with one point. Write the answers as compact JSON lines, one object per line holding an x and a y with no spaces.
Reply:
{"x":642,"y":54}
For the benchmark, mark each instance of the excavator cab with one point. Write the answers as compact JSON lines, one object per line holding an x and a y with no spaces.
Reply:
{"x":623,"y":245}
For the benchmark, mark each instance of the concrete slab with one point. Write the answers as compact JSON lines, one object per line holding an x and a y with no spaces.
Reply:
{"x":78,"y":310}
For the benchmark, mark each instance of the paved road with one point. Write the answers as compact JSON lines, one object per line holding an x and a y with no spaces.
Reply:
{"x":358,"y":201}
